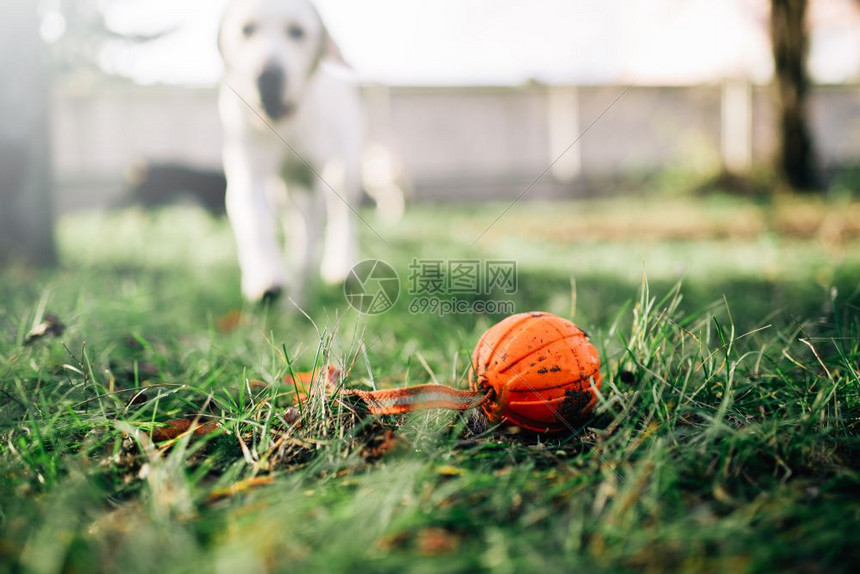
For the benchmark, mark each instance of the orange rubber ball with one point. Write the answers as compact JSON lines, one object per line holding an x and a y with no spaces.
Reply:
{"x":543,"y":371}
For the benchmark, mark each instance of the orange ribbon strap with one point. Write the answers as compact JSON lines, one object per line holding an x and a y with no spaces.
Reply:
{"x":420,"y":397}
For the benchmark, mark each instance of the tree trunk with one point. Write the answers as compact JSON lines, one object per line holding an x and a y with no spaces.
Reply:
{"x":26,"y":207}
{"x":796,"y":159}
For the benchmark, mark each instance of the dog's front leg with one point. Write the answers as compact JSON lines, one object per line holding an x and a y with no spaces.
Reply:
{"x":303,"y":230}
{"x":253,"y":221}
{"x":341,"y":238}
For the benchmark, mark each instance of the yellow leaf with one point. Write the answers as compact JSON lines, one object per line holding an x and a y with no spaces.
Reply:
{"x":447,"y":470}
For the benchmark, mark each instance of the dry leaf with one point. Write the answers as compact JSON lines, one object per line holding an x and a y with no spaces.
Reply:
{"x":292,"y":416}
{"x":257,"y":384}
{"x":230,"y":321}
{"x":393,"y":541}
{"x":240,"y":486}
{"x":50,"y":325}
{"x":436,"y":541}
{"x":447,"y":470}
{"x":174,"y":428}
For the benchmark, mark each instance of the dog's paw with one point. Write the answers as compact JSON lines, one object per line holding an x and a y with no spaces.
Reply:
{"x":334,"y":270}
{"x":265,"y":296}
{"x":271,"y":295}
{"x":262,"y":290}
{"x":334,"y":276}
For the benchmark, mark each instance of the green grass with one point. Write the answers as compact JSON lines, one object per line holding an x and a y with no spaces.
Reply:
{"x":725,"y":438}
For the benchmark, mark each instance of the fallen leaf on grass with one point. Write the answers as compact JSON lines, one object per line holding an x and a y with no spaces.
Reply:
{"x":393,"y":541}
{"x":722,"y":495}
{"x":229,"y":322}
{"x":436,"y":541}
{"x":50,"y":325}
{"x":174,"y":428}
{"x":292,"y":416}
{"x":240,"y":486}
{"x":447,"y":470}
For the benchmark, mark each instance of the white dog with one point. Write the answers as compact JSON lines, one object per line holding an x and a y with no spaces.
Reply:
{"x":292,"y":146}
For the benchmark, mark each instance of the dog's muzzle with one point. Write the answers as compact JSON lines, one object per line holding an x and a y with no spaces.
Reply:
{"x":270,"y":84}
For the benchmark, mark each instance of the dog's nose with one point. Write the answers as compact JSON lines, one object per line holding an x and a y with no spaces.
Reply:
{"x":270,"y":84}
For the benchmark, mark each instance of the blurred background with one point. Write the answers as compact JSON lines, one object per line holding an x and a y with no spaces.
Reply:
{"x":466,"y":99}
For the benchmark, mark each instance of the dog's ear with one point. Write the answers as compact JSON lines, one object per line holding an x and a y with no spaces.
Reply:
{"x":329,"y":50}
{"x":220,"y":39}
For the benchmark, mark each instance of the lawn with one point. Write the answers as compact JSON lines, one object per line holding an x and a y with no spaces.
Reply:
{"x":725,"y":437}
